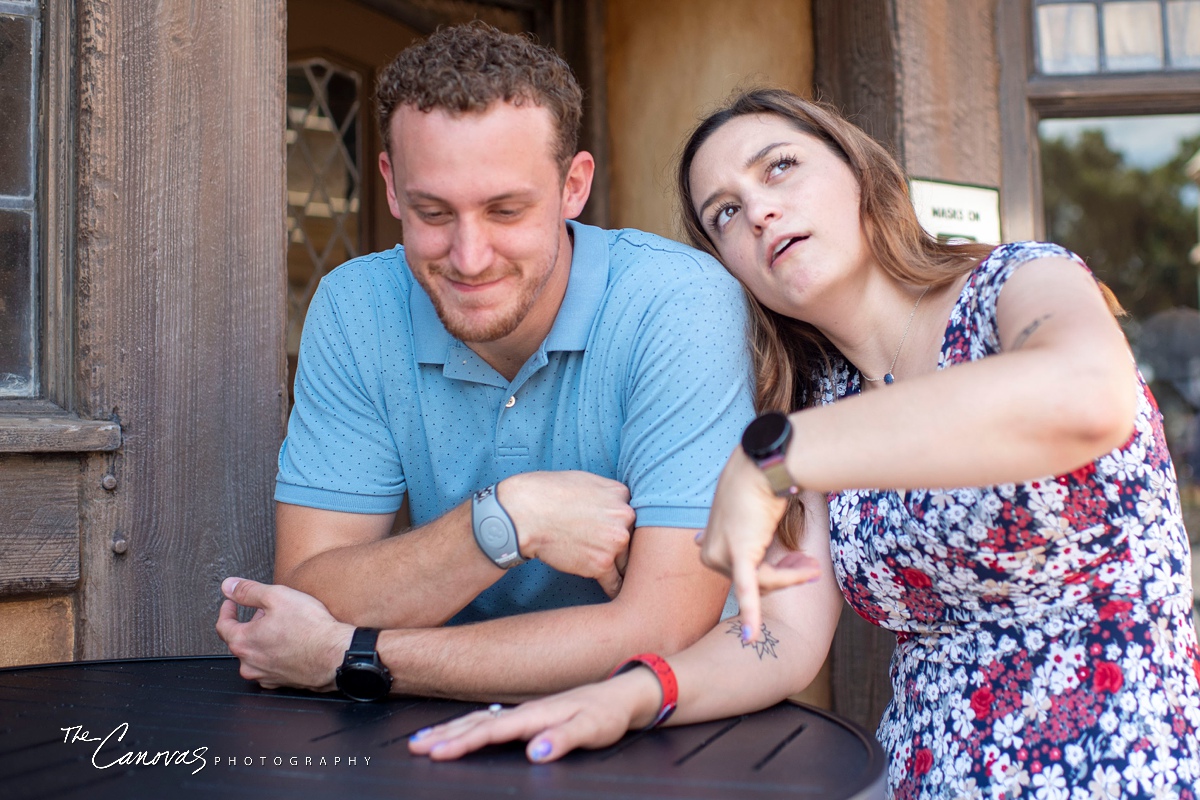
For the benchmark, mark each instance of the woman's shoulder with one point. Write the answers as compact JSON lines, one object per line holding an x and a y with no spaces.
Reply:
{"x":998,"y":266}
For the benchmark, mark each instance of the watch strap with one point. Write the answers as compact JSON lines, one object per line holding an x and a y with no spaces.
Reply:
{"x":494,"y":530}
{"x":666,"y":681}
{"x":776,"y":471}
{"x":362,"y":643}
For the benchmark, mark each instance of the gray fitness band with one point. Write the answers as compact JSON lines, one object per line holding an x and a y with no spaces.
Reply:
{"x":494,"y":530}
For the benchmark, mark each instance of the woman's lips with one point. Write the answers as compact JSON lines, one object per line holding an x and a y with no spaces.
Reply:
{"x":784,"y":246}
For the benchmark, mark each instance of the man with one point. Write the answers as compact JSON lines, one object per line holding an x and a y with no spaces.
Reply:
{"x":530,"y":385}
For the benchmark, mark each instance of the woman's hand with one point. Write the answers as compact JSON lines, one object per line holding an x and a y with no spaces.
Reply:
{"x":741,"y":526}
{"x":590,"y":716}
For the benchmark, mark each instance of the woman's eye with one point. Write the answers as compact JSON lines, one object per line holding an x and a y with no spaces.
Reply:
{"x":782,"y":164}
{"x":723,"y":215}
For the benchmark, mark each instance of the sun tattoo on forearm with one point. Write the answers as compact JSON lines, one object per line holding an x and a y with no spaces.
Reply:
{"x":764,"y":646}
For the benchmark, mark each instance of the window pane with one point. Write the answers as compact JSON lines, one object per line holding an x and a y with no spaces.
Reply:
{"x":324,"y":162}
{"x":1117,"y":191}
{"x":16,"y":100}
{"x":16,"y":307}
{"x":1133,"y":36}
{"x":1183,"y":19}
{"x":1067,"y":38}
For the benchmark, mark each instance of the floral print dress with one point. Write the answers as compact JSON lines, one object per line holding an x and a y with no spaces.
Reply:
{"x":1045,"y":646}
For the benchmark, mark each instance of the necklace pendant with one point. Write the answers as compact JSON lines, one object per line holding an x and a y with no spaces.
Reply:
{"x":888,"y":379}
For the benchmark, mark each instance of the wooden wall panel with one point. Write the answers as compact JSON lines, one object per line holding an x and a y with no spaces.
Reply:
{"x":39,"y":524}
{"x":38,"y":630}
{"x":950,"y":85}
{"x":672,"y":61}
{"x":856,"y":64}
{"x":180,"y":309}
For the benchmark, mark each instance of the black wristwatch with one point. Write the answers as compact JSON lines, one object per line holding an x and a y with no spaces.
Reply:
{"x":765,"y":441}
{"x":362,"y":675}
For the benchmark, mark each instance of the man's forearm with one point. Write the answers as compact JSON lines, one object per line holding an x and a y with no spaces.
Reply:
{"x":400,"y":581}
{"x":516,"y":658}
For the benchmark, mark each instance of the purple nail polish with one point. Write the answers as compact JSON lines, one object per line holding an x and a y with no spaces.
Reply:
{"x":699,"y":534}
{"x":747,"y":633}
{"x":540,"y":751}
{"x":421,"y":734}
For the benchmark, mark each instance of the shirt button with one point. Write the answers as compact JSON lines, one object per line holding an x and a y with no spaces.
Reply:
{"x":512,"y":401}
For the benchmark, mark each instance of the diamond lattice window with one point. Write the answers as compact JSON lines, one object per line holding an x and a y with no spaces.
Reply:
{"x":324,"y":161}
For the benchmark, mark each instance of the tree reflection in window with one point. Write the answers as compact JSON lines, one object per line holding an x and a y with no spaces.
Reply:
{"x":1122,"y":192}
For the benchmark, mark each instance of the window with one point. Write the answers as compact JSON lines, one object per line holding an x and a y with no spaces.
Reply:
{"x":20,"y":38}
{"x":1079,"y":38}
{"x":324,"y":181}
{"x":1087,"y":89}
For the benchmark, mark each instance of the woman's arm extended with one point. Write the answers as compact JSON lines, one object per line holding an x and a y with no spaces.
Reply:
{"x":719,"y":676}
{"x":1060,"y":394}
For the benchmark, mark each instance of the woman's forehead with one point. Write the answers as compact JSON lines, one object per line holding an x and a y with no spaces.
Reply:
{"x":737,"y":145}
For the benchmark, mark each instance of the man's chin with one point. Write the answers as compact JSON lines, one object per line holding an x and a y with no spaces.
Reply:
{"x":479,"y":330}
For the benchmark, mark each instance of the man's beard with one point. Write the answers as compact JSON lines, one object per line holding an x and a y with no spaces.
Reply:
{"x":502,"y":321}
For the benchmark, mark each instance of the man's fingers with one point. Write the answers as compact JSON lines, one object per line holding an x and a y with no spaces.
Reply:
{"x":622,"y":560}
{"x":745,"y":588}
{"x":226,"y":619}
{"x":610,"y":582}
{"x":246,"y":592}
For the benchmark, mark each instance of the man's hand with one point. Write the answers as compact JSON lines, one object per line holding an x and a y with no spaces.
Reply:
{"x":292,"y":640}
{"x":576,"y":522}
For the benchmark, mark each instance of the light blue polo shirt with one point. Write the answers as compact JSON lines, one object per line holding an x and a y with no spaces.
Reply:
{"x":645,"y":378}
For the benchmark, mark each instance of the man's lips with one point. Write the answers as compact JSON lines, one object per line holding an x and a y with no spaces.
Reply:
{"x":476,"y":287}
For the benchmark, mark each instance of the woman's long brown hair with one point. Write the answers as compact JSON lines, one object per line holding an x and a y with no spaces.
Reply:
{"x":789,"y":355}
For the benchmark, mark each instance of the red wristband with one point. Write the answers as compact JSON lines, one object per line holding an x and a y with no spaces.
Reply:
{"x":666,"y":681}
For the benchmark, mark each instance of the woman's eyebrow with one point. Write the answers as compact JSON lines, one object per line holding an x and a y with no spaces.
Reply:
{"x":750,"y":162}
{"x":761,"y":154}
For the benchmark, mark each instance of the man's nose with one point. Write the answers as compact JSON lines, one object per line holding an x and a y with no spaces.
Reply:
{"x":470,"y":250}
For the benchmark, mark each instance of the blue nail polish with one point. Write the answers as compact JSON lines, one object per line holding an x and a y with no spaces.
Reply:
{"x":421,"y":734}
{"x":747,"y":633}
{"x":540,"y":750}
{"x":699,"y":535}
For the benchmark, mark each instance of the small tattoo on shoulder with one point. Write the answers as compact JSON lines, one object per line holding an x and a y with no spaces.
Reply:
{"x":1024,"y":335}
{"x":763,"y":646}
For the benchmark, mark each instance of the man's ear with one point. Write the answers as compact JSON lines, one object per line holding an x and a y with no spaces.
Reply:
{"x":578,"y":184}
{"x":389,"y":179}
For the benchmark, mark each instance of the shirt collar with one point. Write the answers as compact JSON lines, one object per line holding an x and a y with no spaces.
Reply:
{"x":573,"y":324}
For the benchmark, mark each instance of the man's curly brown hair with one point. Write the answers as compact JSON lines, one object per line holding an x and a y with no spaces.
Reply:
{"x":466,"y":68}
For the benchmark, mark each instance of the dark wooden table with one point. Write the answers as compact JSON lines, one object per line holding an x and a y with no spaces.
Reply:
{"x":71,"y":731}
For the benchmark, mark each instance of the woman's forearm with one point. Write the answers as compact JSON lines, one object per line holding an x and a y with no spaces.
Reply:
{"x":722,"y":676}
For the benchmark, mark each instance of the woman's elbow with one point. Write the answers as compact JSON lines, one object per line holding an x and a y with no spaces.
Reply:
{"x":1101,"y":410}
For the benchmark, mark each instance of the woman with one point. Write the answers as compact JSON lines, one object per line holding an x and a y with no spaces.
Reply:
{"x":1043,"y":613}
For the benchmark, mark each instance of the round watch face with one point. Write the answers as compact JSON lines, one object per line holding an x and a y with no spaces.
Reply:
{"x":363,"y":681}
{"x":766,"y":435}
